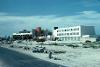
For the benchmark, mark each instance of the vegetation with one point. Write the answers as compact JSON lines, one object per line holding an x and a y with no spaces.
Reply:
{"x":87,"y":41}
{"x":55,"y":44}
{"x":91,"y":45}
{"x":73,"y":45}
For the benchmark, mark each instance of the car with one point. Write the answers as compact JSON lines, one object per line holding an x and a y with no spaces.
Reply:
{"x":26,"y":48}
{"x":38,"y":49}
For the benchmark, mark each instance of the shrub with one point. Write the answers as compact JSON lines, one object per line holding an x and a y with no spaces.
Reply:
{"x":55,"y":44}
{"x":87,"y":41}
{"x":73,"y":45}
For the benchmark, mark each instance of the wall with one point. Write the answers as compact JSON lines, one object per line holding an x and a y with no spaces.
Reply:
{"x":84,"y":39}
{"x":87,"y":30}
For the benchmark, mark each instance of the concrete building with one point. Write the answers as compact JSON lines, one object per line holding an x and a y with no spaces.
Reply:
{"x":75,"y":33}
{"x":22,"y":35}
{"x":36,"y":32}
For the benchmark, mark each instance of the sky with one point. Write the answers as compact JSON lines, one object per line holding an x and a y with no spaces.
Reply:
{"x":16,"y":15}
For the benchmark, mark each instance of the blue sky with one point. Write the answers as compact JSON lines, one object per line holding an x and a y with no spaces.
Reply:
{"x":16,"y":15}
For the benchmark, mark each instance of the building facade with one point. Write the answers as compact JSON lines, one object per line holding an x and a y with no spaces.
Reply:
{"x":38,"y":32}
{"x":22,"y":35}
{"x":74,"y":33}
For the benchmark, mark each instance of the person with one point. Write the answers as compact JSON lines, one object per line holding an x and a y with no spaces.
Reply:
{"x":50,"y":55}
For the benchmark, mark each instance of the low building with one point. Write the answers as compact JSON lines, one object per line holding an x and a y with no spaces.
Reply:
{"x":22,"y":35}
{"x":75,"y":33}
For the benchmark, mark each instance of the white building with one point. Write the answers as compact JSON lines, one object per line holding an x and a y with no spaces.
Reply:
{"x":75,"y":33}
{"x":30,"y":33}
{"x":22,"y":36}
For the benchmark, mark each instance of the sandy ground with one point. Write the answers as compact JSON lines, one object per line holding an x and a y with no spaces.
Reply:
{"x":74,"y":57}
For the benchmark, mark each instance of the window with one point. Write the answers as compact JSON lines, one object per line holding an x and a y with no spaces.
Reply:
{"x":63,"y":30}
{"x":77,"y":33}
{"x":68,"y":29}
{"x":74,"y":38}
{"x":71,"y":38}
{"x":71,"y":29}
{"x":62,"y":38}
{"x":59,"y":34}
{"x":77,"y":38}
{"x":66,"y":38}
{"x":70,"y":33}
{"x":77,"y":28}
{"x":64,"y":33}
{"x":67,"y":33}
{"x":73,"y":33}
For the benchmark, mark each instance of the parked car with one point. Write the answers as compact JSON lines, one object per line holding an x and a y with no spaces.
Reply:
{"x":13,"y":46}
{"x":38,"y":49}
{"x":26,"y":48}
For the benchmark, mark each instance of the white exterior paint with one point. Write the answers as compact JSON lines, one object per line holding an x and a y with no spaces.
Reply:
{"x":74,"y":33}
{"x":92,"y":39}
{"x":22,"y":33}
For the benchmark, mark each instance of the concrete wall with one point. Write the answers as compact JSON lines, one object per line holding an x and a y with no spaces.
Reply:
{"x":84,"y":39}
{"x":74,"y":33}
{"x":87,"y":30}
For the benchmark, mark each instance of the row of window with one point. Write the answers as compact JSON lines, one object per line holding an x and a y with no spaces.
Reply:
{"x":69,"y":38}
{"x":64,"y":34}
{"x":64,"y":30}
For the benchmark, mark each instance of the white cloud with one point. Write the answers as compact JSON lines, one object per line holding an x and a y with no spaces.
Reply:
{"x":88,"y":12}
{"x":83,"y":17}
{"x":29,"y":22}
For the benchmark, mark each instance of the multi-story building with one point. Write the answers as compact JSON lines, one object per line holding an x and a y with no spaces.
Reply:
{"x":22,"y":35}
{"x":38,"y":32}
{"x":74,"y":33}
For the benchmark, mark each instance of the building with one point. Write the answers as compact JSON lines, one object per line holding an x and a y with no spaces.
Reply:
{"x":22,"y":35}
{"x":75,"y":33}
{"x":38,"y":32}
